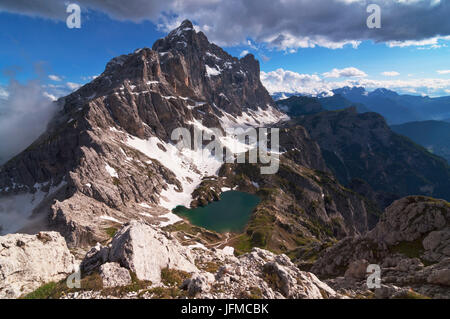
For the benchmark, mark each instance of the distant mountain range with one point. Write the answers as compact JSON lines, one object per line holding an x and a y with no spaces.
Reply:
{"x":433,"y":135}
{"x":365,"y":154}
{"x":394,"y":107}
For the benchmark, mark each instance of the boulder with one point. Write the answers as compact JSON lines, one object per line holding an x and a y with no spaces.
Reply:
{"x":29,"y":261}
{"x":198,"y":283}
{"x":113,"y":275}
{"x":142,"y":249}
{"x":357,"y":269}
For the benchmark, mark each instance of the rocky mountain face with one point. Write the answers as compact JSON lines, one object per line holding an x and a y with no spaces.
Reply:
{"x":411,"y":244}
{"x":108,"y":156}
{"x":102,"y":155}
{"x":365,"y":154}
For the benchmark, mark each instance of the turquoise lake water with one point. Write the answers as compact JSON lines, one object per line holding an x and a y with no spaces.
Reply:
{"x":230,"y":214}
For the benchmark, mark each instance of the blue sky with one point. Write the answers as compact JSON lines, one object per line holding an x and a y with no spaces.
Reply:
{"x":37,"y":45}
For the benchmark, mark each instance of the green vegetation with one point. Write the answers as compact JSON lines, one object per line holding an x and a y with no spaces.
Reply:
{"x":173,"y":277}
{"x":411,"y":249}
{"x":116,"y":181}
{"x":91,"y":282}
{"x":164,"y":293}
{"x":111,"y":231}
{"x":209,"y":266}
{"x":43,"y":292}
{"x":412,"y":295}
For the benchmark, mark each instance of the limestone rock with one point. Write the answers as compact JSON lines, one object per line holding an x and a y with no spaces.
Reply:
{"x":113,"y":275}
{"x":143,"y":250}
{"x":198,"y":283}
{"x":396,"y":245}
{"x":29,"y":261}
{"x":259,"y":273}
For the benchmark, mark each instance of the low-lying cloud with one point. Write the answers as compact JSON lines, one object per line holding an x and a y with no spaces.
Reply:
{"x":287,"y":81}
{"x":24,"y":115}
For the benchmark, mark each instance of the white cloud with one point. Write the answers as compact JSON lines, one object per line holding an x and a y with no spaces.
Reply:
{"x":244,"y":53}
{"x":287,"y":81}
{"x":443,"y":71}
{"x":390,"y":73}
{"x":89,"y":78}
{"x":344,"y":73}
{"x":291,"y":24}
{"x":431,"y":42}
{"x":291,"y":43}
{"x":51,"y":97}
{"x":3,"y":93}
{"x":55,"y":77}
{"x":73,"y":86}
{"x":25,"y":115}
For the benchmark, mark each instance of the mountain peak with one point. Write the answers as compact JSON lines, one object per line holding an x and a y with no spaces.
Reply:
{"x":185,"y":27}
{"x":383,"y":92}
{"x":186,"y":24}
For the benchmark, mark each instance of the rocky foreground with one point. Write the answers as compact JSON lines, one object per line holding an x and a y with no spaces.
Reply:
{"x":144,"y":262}
{"x":410,"y":244}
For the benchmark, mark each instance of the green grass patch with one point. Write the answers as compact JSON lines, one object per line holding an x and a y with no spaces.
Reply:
{"x":173,"y":277}
{"x":411,"y":249}
{"x":111,"y":231}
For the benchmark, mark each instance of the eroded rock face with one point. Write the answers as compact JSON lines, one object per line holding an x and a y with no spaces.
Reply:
{"x":410,"y":244}
{"x":29,"y":261}
{"x":143,"y":250}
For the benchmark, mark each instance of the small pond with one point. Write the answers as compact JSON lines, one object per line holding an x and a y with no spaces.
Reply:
{"x":230,"y":214}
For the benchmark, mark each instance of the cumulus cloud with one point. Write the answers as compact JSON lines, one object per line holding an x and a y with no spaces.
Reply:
{"x":286,"y":25}
{"x":3,"y":93}
{"x":55,"y":77}
{"x":244,"y":53}
{"x":25,"y":114}
{"x":390,"y":73}
{"x":287,"y":81}
{"x":431,"y":42}
{"x":350,"y":72}
{"x":89,"y":78}
{"x":311,"y":84}
{"x":73,"y":86}
{"x":443,"y":71}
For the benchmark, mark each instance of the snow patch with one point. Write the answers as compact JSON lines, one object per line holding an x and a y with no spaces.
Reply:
{"x":212,"y":71}
{"x":189,"y":166}
{"x":109,"y":218}
{"x":111,"y":171}
{"x":172,"y":219}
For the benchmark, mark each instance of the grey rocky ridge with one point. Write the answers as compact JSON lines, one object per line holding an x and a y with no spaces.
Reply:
{"x":106,"y":175}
